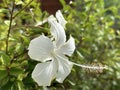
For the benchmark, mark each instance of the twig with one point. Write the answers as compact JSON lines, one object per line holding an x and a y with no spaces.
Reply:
{"x":22,"y":9}
{"x":11,"y":19}
{"x":9,"y":29}
{"x":25,"y":51}
{"x":30,"y":26}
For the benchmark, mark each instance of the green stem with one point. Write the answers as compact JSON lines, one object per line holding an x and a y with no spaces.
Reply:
{"x":23,"y":9}
{"x":10,"y":25}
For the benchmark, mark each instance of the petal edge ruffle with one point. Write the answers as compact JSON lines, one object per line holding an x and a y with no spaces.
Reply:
{"x":68,"y":48}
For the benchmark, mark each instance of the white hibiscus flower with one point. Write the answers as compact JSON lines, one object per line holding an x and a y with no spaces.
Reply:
{"x":51,"y":52}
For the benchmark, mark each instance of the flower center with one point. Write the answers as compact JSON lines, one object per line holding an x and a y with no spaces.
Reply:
{"x":53,"y":53}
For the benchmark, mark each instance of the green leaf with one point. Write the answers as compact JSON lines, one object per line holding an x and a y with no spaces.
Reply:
{"x":5,"y":59}
{"x":18,"y":2}
{"x":7,"y":86}
{"x":80,"y":55}
{"x":7,"y":22}
{"x":3,"y":77}
{"x":19,"y":48}
{"x":2,"y":67}
{"x":62,"y":2}
{"x":3,"y":74}
{"x":20,"y":85}
{"x":26,"y":40}
{"x":3,"y":10}
{"x":16,"y":71}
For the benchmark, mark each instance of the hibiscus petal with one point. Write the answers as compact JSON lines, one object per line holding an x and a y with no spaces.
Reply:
{"x":64,"y":68}
{"x":57,"y":31}
{"x":60,"y":18}
{"x":40,"y":48}
{"x":68,"y":48}
{"x":44,"y":73}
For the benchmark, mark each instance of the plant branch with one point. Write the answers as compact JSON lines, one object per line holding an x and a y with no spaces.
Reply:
{"x":23,"y":8}
{"x":10,"y":25}
{"x":25,"y":51}
{"x":30,"y":26}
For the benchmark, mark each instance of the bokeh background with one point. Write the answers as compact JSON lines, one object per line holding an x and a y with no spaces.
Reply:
{"x":95,"y":25}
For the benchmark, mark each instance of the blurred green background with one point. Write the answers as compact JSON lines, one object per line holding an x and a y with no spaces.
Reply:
{"x":95,"y":25}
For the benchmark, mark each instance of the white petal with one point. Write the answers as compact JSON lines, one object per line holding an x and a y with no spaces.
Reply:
{"x":68,"y":48}
{"x":44,"y":73}
{"x":57,"y":31}
{"x":40,"y":48}
{"x":64,"y":68}
{"x":60,"y":18}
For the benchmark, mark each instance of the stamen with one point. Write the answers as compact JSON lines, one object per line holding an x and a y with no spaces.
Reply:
{"x":94,"y":67}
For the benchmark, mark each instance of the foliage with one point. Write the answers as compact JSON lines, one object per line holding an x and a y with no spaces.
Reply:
{"x":93,"y":23}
